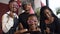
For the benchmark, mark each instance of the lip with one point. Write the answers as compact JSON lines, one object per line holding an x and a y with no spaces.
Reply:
{"x":14,"y":8}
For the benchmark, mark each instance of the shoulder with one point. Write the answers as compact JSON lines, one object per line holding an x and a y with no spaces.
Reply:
{"x":56,"y":20}
{"x":5,"y":15}
{"x":16,"y":15}
{"x":22,"y":13}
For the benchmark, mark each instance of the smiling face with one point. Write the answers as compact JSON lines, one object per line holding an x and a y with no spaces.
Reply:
{"x":13,"y":6}
{"x":28,"y":6}
{"x":32,"y":22}
{"x":47,"y":13}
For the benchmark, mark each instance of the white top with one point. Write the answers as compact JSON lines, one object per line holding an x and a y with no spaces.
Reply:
{"x":7,"y":22}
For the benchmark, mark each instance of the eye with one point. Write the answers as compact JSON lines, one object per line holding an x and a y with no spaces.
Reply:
{"x":35,"y":21}
{"x":29,"y":21}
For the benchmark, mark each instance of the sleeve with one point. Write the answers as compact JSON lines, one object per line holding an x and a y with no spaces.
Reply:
{"x":42,"y":26}
{"x":58,"y":26}
{"x":7,"y":23}
{"x":20,"y":19}
{"x":4,"y":21}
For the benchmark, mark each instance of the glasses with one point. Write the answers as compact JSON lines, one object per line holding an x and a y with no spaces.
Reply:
{"x":32,"y":21}
{"x":16,"y":6}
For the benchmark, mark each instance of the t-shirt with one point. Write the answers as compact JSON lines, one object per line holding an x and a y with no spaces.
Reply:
{"x":32,"y":32}
{"x":9,"y":24}
{"x":23,"y":19}
{"x":54,"y":26}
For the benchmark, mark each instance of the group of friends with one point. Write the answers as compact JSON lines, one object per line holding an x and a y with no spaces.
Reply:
{"x":27,"y":23}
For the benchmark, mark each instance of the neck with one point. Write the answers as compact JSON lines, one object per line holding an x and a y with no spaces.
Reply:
{"x":11,"y":14}
{"x":26,"y":11}
{"x":32,"y":28}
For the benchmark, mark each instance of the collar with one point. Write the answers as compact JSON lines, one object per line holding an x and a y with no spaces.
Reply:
{"x":15,"y":15}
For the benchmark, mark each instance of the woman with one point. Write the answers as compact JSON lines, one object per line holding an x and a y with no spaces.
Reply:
{"x":10,"y":19}
{"x":49,"y":23}
{"x":26,"y":6}
{"x":32,"y":22}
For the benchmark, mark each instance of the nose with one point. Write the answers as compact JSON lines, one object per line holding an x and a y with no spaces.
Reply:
{"x":30,"y":22}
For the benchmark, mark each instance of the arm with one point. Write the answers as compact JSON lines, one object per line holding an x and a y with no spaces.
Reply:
{"x":22,"y":30}
{"x":58,"y":27}
{"x":6,"y":23}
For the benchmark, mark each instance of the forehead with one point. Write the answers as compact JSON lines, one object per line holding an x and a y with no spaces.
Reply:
{"x":33,"y":17}
{"x":29,"y":4}
{"x":47,"y":10}
{"x":13,"y":3}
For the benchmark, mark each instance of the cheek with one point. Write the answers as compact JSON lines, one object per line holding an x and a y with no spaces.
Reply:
{"x":47,"y":14}
{"x":28,"y":22}
{"x":15,"y":8}
{"x":11,"y":7}
{"x":28,"y":7}
{"x":50,"y":14}
{"x":36,"y":23}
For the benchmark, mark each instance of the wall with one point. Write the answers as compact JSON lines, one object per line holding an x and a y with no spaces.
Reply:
{"x":37,"y":3}
{"x":3,"y":9}
{"x":4,"y":1}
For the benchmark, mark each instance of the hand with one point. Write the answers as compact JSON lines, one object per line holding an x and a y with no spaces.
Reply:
{"x":47,"y":30}
{"x":20,"y":31}
{"x":21,"y":26}
{"x":24,"y":30}
{"x":38,"y":29}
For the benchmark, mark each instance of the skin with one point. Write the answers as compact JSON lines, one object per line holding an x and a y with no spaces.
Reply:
{"x":33,"y":24}
{"x":13,"y":8}
{"x":48,"y":13}
{"x":27,"y":7}
{"x":49,"y":16}
{"x":49,"y":20}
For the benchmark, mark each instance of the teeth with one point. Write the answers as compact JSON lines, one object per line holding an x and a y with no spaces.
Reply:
{"x":14,"y":8}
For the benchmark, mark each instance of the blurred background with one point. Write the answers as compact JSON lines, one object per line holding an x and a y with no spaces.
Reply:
{"x":36,"y":4}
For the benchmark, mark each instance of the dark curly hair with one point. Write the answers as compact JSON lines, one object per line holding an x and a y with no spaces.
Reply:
{"x":42,"y":14}
{"x":24,"y":3}
{"x":11,"y":1}
{"x":43,"y":17}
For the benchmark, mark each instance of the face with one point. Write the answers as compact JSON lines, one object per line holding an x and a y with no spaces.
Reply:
{"x":28,"y":6}
{"x":47,"y":13}
{"x":32,"y":21}
{"x":13,"y":6}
